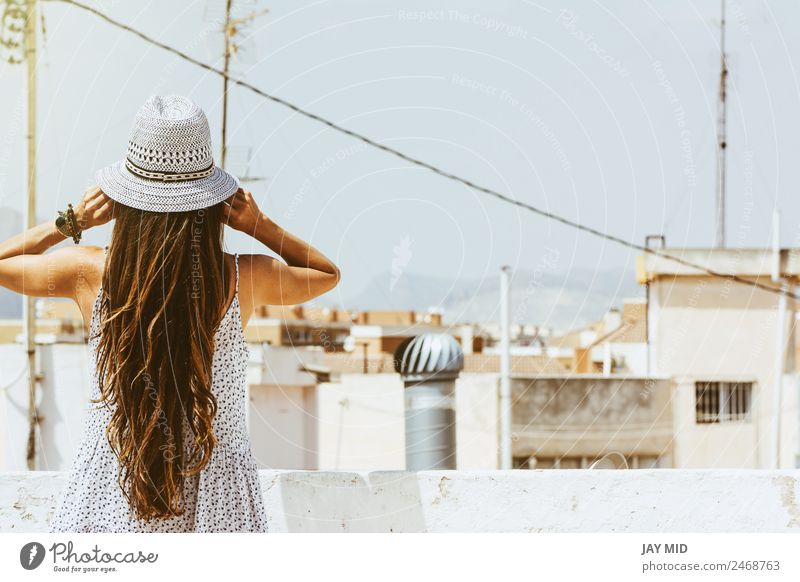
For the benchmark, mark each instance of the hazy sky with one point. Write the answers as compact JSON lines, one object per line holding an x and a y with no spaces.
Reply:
{"x":602,"y":112}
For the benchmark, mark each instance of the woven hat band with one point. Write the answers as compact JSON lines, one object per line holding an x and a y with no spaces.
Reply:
{"x":169,"y":176}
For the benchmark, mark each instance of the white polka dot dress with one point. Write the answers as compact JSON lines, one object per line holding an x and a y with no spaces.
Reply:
{"x":223,"y":497}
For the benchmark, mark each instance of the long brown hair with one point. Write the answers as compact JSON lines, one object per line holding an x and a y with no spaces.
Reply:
{"x":164,"y":288}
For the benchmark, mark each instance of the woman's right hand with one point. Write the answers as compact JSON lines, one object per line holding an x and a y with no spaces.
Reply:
{"x":94,"y":208}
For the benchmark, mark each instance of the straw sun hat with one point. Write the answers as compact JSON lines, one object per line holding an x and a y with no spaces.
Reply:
{"x":169,"y":166}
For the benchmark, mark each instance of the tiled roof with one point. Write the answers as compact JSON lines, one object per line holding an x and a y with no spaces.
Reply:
{"x":473,"y":363}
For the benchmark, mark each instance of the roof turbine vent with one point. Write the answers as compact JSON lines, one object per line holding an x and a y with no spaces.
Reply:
{"x":429,"y":365}
{"x":434,"y":356}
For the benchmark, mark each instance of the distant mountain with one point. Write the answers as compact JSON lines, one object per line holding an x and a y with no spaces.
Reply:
{"x":560,"y":299}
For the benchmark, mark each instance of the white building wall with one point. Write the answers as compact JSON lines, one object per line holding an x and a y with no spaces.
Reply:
{"x":790,"y":425}
{"x":635,"y":356}
{"x":355,"y":424}
{"x":62,"y":403}
{"x":283,"y":426}
{"x":281,"y":415}
{"x":702,"y":446}
{"x":717,"y":330}
{"x":13,"y":407}
{"x":632,"y":355}
{"x":477,"y":437}
{"x":361,"y":422}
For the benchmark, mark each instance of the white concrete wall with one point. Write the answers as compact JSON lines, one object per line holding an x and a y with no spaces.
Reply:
{"x":661,"y":500}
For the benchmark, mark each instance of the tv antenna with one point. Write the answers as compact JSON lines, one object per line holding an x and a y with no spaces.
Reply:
{"x":244,"y":155}
{"x":232,"y":27}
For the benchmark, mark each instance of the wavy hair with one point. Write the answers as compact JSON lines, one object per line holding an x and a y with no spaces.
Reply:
{"x":163,"y":293}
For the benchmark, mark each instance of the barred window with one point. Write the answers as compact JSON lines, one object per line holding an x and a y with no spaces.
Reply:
{"x":718,"y":402}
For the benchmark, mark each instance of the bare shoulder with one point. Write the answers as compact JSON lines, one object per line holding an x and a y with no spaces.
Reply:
{"x":80,"y":271}
{"x":257,"y":267}
{"x":255,"y":262}
{"x":88,"y":259}
{"x":82,"y":252}
{"x":78,"y":258}
{"x":254,"y":267}
{"x":88,"y":263}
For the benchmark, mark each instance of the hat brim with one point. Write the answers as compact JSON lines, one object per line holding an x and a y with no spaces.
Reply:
{"x":125,"y":187}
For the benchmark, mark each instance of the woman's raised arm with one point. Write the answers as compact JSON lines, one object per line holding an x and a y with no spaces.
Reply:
{"x":25,"y":268}
{"x":307,"y":272}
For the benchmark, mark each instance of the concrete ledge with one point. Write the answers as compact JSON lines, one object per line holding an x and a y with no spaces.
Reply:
{"x":658,"y":500}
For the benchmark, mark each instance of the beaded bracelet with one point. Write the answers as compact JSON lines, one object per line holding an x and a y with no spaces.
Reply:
{"x":67,"y":225}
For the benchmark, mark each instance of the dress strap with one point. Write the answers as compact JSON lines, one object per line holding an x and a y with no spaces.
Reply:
{"x":236,"y":262}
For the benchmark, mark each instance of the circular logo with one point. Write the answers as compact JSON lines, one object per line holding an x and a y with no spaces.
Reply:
{"x":31,"y":555}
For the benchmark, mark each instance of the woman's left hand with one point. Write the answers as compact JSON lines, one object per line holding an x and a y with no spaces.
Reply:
{"x":94,"y":209}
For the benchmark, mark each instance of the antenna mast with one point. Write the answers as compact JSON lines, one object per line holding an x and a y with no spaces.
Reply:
{"x":722,"y":145}
{"x":231,"y":29}
{"x":228,"y":50}
{"x":18,"y":43}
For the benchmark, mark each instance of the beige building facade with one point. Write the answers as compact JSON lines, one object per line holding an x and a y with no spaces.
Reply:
{"x":730,"y":349}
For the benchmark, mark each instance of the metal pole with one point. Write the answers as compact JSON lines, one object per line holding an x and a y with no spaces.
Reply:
{"x":28,"y":306}
{"x":505,"y":368}
{"x":647,"y":325}
{"x":780,"y":347}
{"x":722,"y":145}
{"x":663,"y":243}
{"x":223,"y":154}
